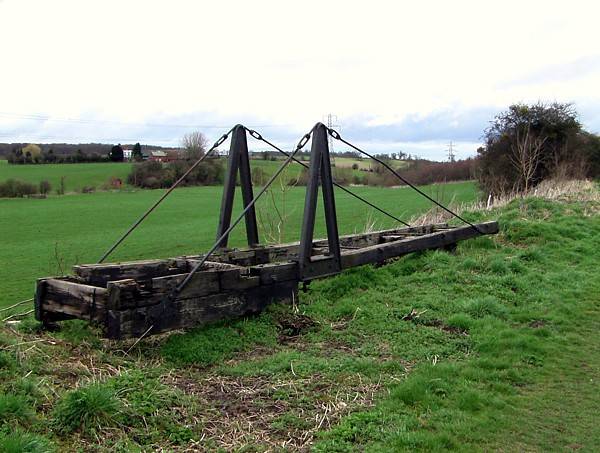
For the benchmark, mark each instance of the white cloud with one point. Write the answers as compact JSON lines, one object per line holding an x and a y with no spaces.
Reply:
{"x":274,"y":63}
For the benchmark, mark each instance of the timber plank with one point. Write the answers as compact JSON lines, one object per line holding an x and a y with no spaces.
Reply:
{"x":382,"y":252}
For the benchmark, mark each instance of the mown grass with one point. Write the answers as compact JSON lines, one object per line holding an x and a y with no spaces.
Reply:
{"x":493,"y":347}
{"x":46,"y":237}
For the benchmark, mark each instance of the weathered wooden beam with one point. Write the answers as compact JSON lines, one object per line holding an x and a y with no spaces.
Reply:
{"x":70,"y":298}
{"x":384,"y":251}
{"x":185,"y":313}
{"x":100,"y":274}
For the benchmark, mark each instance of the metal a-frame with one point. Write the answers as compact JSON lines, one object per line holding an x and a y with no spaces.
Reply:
{"x":319,"y":174}
{"x":238,"y":161}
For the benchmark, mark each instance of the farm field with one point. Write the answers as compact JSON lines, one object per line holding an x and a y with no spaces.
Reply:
{"x":97,"y":175}
{"x":76,"y":176}
{"x":490,"y":348}
{"x":46,"y":237}
{"x":365,"y":164}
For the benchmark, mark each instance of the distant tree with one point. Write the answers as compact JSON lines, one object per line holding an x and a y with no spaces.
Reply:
{"x":194,"y":144}
{"x":33,"y":153}
{"x":136,"y":154}
{"x":116,"y":153}
{"x":528,"y":143}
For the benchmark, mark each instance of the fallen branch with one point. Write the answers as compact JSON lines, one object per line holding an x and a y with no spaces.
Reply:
{"x":16,"y":305}
{"x":18,"y":315}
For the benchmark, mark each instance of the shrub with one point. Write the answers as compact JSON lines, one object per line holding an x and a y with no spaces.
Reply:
{"x":45,"y":187}
{"x":355,"y":166}
{"x":259,"y":176}
{"x":13,"y":188}
{"x":61,"y":187}
{"x":153,"y":175}
{"x":86,"y":409}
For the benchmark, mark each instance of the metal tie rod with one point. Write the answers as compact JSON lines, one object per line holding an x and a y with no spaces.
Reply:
{"x":165,"y":195}
{"x":337,"y":136}
{"x":216,"y":245}
{"x":258,"y":136}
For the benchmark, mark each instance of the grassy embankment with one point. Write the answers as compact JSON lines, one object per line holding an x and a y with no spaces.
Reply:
{"x":494,"y":347}
{"x":46,"y":237}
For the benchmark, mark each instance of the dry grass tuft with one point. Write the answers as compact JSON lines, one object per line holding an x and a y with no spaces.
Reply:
{"x":552,"y":189}
{"x":274,"y":413}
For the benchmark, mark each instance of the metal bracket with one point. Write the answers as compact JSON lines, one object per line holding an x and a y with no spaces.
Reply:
{"x":319,"y":173}
{"x":238,"y":160}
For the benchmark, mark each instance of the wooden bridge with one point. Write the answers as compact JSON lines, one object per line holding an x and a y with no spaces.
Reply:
{"x":140,"y":298}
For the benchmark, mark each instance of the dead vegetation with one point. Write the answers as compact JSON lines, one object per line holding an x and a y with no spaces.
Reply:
{"x":566,"y":191}
{"x":274,"y":413}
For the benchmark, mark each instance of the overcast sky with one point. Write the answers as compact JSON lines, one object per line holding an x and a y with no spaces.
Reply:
{"x":408,"y":76}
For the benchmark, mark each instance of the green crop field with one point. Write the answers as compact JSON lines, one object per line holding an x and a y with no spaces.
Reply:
{"x":491,"y":348}
{"x":76,"y":176}
{"x":44,"y":236}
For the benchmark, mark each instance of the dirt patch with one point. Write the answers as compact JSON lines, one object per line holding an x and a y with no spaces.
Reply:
{"x":271,"y":412}
{"x":537,"y":324}
{"x":415,"y":317}
{"x":292,"y":325}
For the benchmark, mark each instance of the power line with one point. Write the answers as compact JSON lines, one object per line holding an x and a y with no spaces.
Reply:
{"x":36,"y":117}
{"x":331,"y":119}
{"x":451,"y":153}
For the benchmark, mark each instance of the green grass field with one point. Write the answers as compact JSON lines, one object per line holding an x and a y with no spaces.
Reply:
{"x":76,"y":176}
{"x":491,"y":348}
{"x":97,"y":175}
{"x":44,"y":236}
{"x":347,"y":162}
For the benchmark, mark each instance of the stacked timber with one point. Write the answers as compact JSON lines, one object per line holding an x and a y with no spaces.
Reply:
{"x":136,"y":298}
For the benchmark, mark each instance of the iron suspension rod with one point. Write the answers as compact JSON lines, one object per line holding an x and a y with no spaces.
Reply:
{"x":337,"y":136}
{"x":195,"y":269}
{"x":348,"y":191}
{"x":165,"y":195}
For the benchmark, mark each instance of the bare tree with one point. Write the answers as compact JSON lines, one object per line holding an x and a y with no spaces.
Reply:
{"x":194,"y":144}
{"x":526,"y":154}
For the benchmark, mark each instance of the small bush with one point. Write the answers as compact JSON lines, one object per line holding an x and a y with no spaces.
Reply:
{"x":87,"y":189}
{"x":86,"y":409}
{"x":45,"y":187}
{"x":14,"y":188}
{"x":154,"y":175}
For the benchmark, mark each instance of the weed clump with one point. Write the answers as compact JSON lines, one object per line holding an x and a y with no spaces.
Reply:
{"x":24,"y":442}
{"x":87,"y":409}
{"x":485,"y":306}
{"x":14,"y":409}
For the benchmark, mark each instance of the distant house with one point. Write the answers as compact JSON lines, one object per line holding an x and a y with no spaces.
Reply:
{"x":157,"y":156}
{"x":127,"y":153}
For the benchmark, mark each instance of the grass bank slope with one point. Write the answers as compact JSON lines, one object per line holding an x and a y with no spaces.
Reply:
{"x":493,"y":347}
